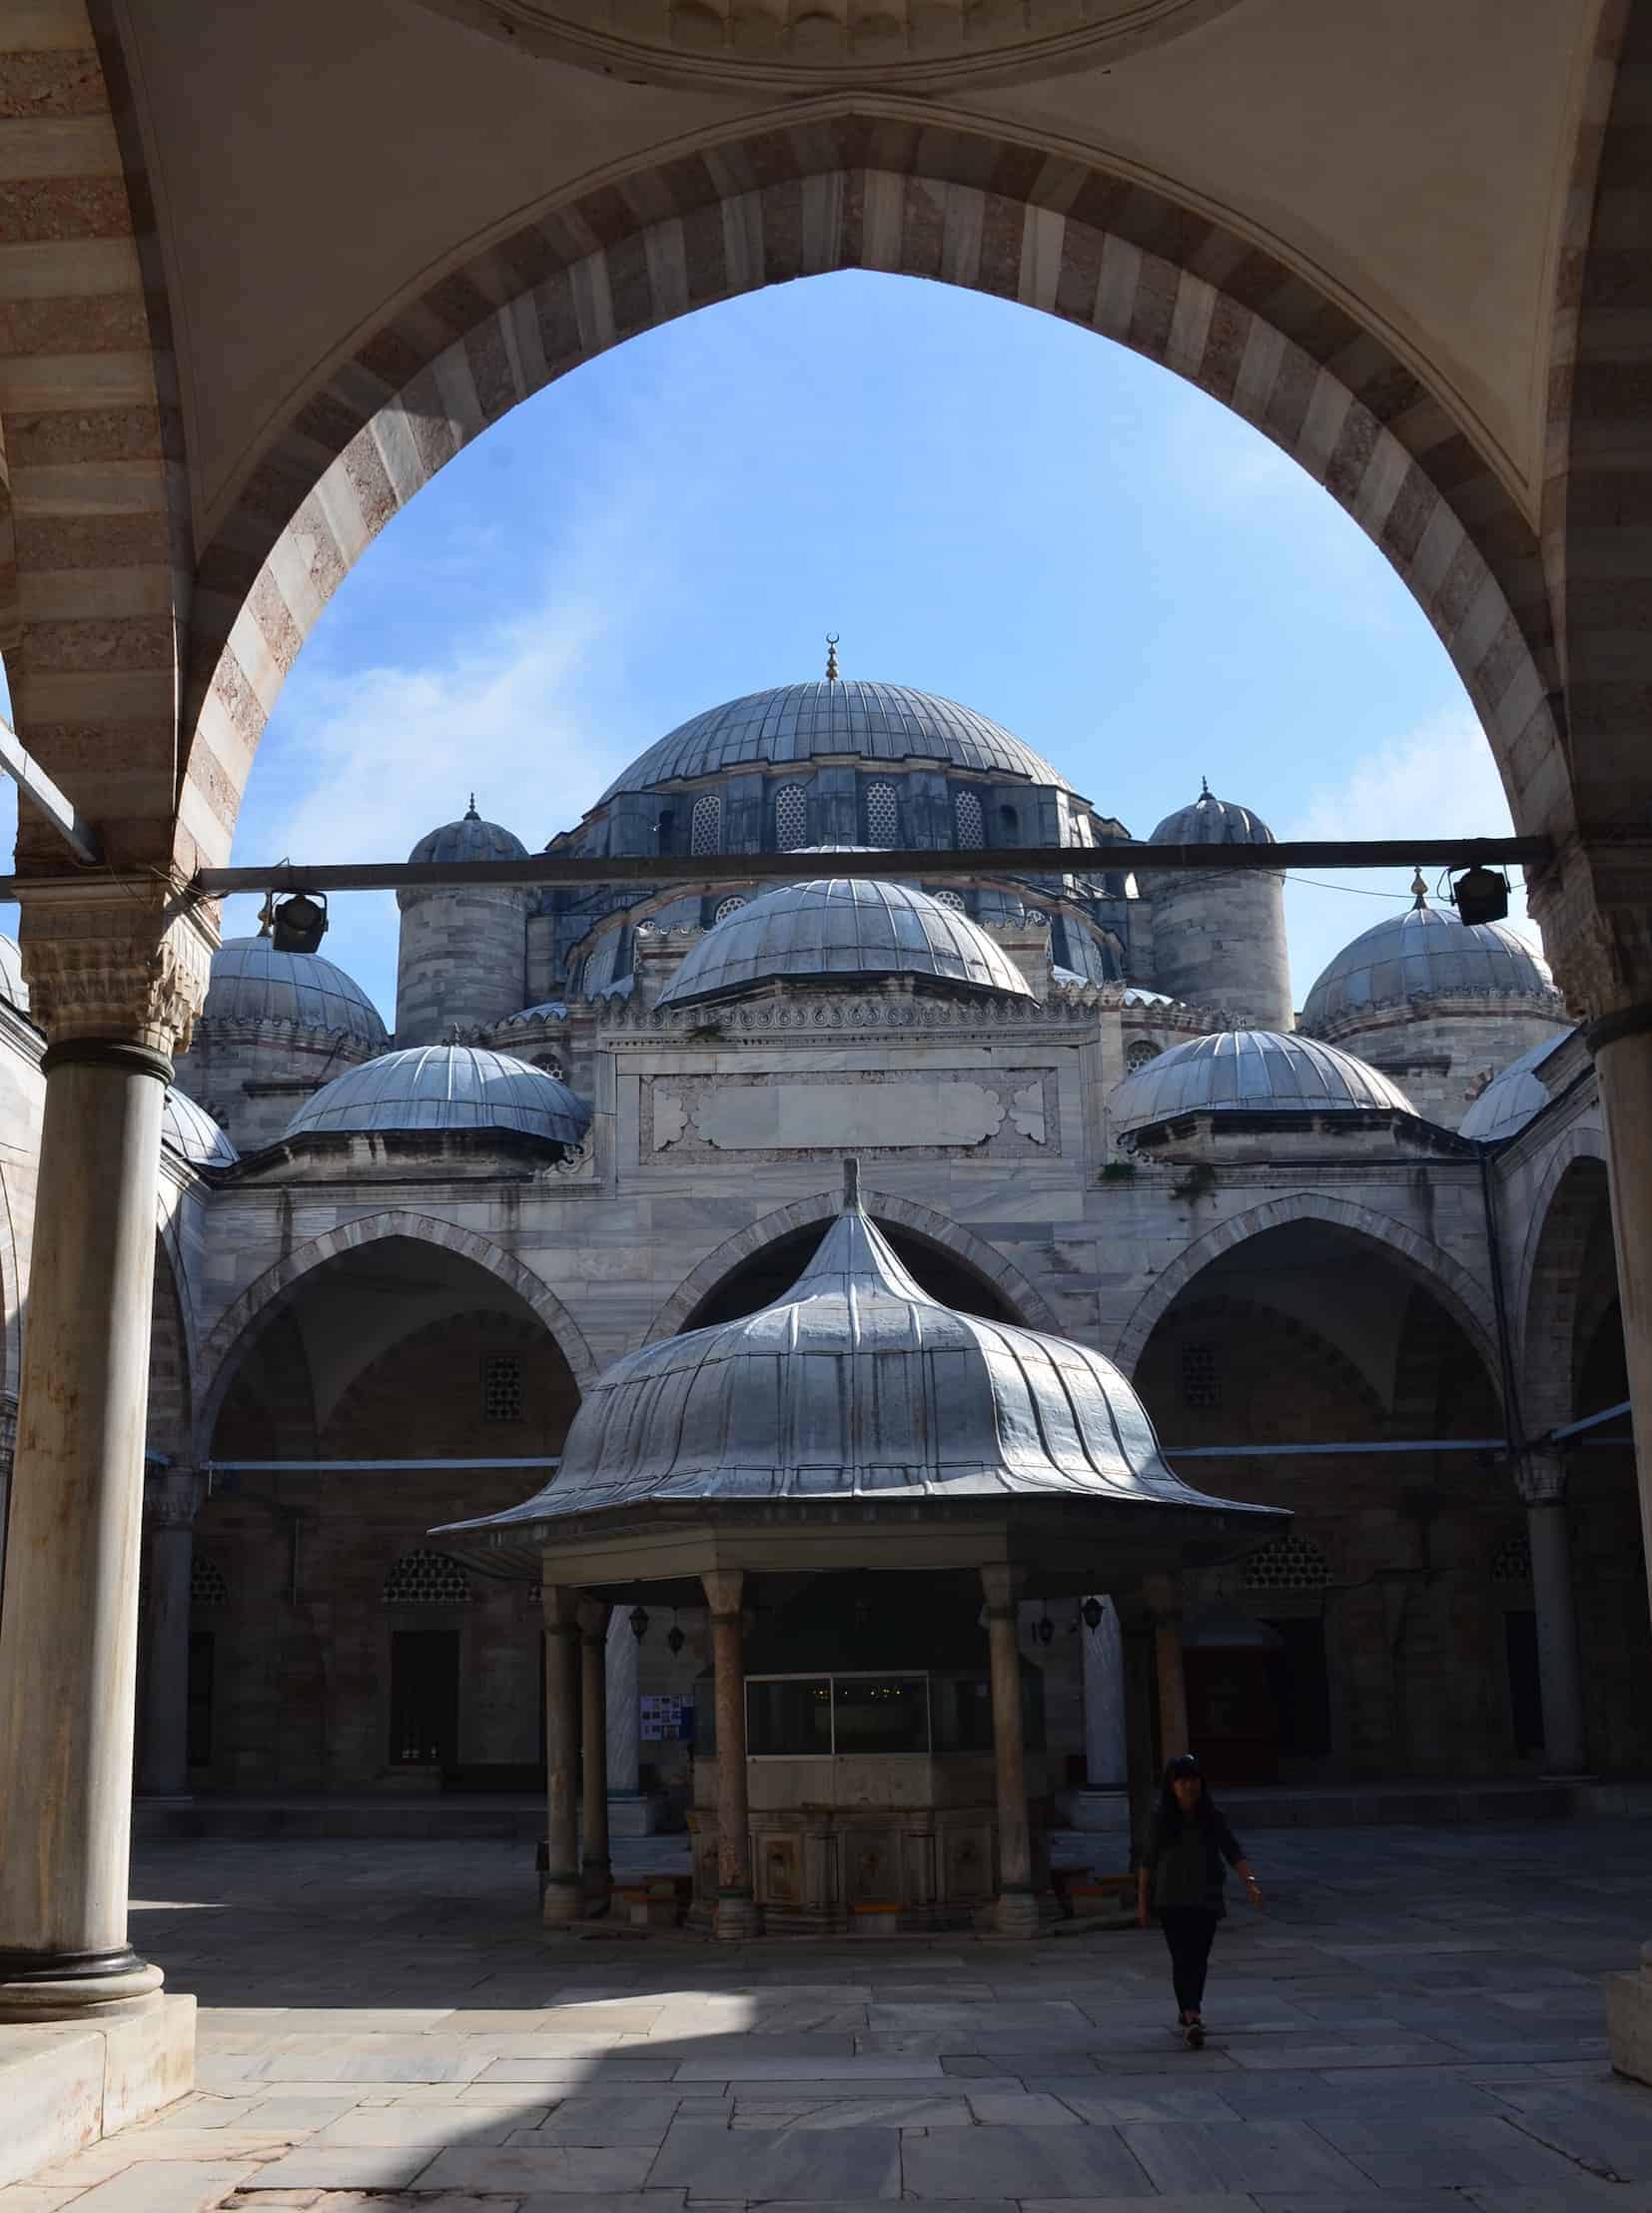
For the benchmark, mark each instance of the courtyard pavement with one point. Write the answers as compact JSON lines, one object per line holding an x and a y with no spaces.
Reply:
{"x":1415,"y":2026}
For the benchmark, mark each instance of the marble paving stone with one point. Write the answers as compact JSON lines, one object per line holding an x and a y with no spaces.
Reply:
{"x":1239,"y":2156}
{"x":346,"y":2167}
{"x":816,"y":2114}
{"x":1147,"y":2102}
{"x":1201,"y":2201}
{"x":371,"y":2060}
{"x":757,"y":2067}
{"x":1451,"y":2153}
{"x":1306,"y":2054}
{"x":377,"y":2126}
{"x":1033,"y":2109}
{"x":777,"y":2163}
{"x":1287,"y":2095}
{"x":1021,"y":2162}
{"x":611,"y":2118}
{"x":167,"y":2186}
{"x":571,"y":2077}
{"x":558,"y":2168}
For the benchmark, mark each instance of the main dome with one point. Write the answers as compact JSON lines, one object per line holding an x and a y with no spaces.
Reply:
{"x":1257,"y":1072}
{"x":796,"y":723}
{"x":1426,"y":951}
{"x":444,"y":1087}
{"x":840,"y":926}
{"x":252,"y":982}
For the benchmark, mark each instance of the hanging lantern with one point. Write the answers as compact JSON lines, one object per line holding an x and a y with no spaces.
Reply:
{"x":1092,"y":1611}
{"x":676,"y":1639}
{"x":640,"y":1623}
{"x":1480,"y":895}
{"x":299,"y":924}
{"x":1046,"y":1629}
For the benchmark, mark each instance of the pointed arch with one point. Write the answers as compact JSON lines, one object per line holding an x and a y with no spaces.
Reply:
{"x":803,"y":1213}
{"x":1426,"y":1264}
{"x":281,"y":1283}
{"x":1549,"y":1284}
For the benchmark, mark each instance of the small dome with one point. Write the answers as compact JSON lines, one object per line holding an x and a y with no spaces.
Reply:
{"x":469,"y":839}
{"x":13,"y":990}
{"x":549,"y":1010}
{"x":252,"y":982}
{"x":190,"y":1131}
{"x":857,"y":1383}
{"x":444,"y":1087}
{"x":841,"y":927}
{"x":1256,"y":1071}
{"x":1426,"y":952}
{"x":1513,"y":1098}
{"x":1212,"y":821}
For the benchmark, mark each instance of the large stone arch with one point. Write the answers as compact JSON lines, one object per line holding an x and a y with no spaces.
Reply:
{"x":1548,"y":1285}
{"x":875,"y":189}
{"x":1426,"y":1263}
{"x":803,"y":1213}
{"x":279,"y":1283}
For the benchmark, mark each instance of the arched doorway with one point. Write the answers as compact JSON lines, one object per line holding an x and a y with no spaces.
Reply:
{"x":350,"y":1654}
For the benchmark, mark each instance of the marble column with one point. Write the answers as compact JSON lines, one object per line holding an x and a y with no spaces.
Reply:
{"x":1541,"y":1479}
{"x":172,"y":1500}
{"x":624,"y":1720}
{"x":1106,"y":1767}
{"x":595,"y":1867}
{"x":736,"y":1914}
{"x":563,"y":1899}
{"x":1015,"y":1910}
{"x":116,"y":971}
{"x":1164,"y":1598}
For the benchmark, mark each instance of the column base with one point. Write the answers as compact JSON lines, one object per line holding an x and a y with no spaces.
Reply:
{"x":595,"y":1884}
{"x":1014,"y":1914}
{"x":63,"y":2087}
{"x":563,"y":1901}
{"x":736,"y":1917}
{"x":40,"y":1986}
{"x":1629,"y":2021}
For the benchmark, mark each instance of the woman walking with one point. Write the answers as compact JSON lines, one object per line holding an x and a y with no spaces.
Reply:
{"x":1181,"y":1874}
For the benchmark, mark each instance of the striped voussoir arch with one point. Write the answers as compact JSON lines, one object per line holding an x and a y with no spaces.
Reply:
{"x":96,"y":561}
{"x":860,"y":192}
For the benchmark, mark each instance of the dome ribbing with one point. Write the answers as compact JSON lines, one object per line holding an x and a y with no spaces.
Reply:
{"x":444,"y":1087}
{"x":1255,"y":1072}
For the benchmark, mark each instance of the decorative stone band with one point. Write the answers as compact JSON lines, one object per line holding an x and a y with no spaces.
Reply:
{"x":172,"y":1500}
{"x":1625,"y":1021}
{"x":1540,"y":1478}
{"x":1592,"y":906}
{"x":117,"y":960}
{"x":109,"y":1053}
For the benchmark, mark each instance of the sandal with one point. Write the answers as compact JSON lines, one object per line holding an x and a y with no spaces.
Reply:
{"x":1193,"y":2034}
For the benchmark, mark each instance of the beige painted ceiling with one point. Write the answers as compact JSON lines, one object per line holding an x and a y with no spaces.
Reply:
{"x":319,"y":161}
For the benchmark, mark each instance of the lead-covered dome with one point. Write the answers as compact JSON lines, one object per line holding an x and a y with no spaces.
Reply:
{"x":1427,"y":952}
{"x":857,"y":1383}
{"x":444,"y":1087}
{"x":188,"y":1131}
{"x":1513,"y":1098}
{"x":841,"y":928}
{"x":840,"y":718}
{"x":252,"y":982}
{"x":469,"y":839}
{"x":1212,"y":821}
{"x":1256,"y":1071}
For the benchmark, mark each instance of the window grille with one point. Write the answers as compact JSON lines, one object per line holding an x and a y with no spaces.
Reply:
{"x":705,"y":828}
{"x":424,"y":1578}
{"x":208,"y":1584}
{"x":972,"y":824}
{"x":727,"y":908}
{"x":1511,"y":1562}
{"x":948,"y":898}
{"x":1287,"y":1564}
{"x":882,"y":815}
{"x":1201,"y":1384}
{"x":791,"y":818}
{"x":502,"y":1387}
{"x":1036,"y":916}
{"x":1139,"y":1053}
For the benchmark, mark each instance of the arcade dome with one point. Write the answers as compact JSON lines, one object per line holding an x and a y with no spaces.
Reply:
{"x":446,"y":1086}
{"x":1513,"y":1098}
{"x":791,"y":724}
{"x":252,"y":982}
{"x":1212,"y":821}
{"x":1426,"y":952}
{"x":1257,"y":1072}
{"x":188,"y":1131}
{"x":469,"y":839}
{"x":842,"y":926}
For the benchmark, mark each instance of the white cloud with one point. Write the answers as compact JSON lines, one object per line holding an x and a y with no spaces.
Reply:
{"x":1435,"y":780}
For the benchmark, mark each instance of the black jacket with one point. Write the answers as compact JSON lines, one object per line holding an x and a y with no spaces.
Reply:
{"x":1186,"y":1864}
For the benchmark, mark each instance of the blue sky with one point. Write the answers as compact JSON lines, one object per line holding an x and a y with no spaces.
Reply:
{"x":981,"y":501}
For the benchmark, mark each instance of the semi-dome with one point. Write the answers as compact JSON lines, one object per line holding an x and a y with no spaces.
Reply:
{"x":252,"y":982}
{"x":188,"y":1131}
{"x":1257,"y":1072}
{"x":469,"y":839}
{"x":1212,"y":821}
{"x":842,"y":926}
{"x":857,"y":1383}
{"x":444,"y":1087}
{"x":1513,"y":1098}
{"x":13,"y":990}
{"x":793,"y":723}
{"x":1427,"y":952}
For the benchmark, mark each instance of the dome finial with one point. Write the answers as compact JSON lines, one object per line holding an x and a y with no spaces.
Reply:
{"x":851,"y":1184}
{"x":1203,"y":786}
{"x":831,"y":657}
{"x":1419,"y":892}
{"x":470,"y":814}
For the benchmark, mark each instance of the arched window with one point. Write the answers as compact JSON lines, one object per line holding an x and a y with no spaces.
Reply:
{"x":208,"y":1584}
{"x":1139,"y":1053}
{"x":1201,"y":1377}
{"x":705,"y":829}
{"x":1008,"y":826}
{"x":791,"y":817}
{"x":726,"y":908}
{"x":424,"y":1578}
{"x":882,"y":815}
{"x":665,"y":829}
{"x":966,"y":813}
{"x":1287,"y":1564}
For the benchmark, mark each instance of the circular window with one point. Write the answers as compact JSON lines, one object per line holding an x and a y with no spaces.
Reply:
{"x":729,"y":907}
{"x":948,"y":898}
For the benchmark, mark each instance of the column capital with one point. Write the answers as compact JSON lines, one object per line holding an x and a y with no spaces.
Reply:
{"x":1001,"y":1585}
{"x":559,"y":1603}
{"x":1161,"y":1595}
{"x":1593,"y":902}
{"x":173,"y":1497}
{"x":592,"y":1615}
{"x":723,"y":1586}
{"x":123,"y":958}
{"x":1541,"y":1477}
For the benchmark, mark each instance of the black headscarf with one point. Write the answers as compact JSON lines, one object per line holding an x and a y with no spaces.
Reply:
{"x":1170,"y":1816}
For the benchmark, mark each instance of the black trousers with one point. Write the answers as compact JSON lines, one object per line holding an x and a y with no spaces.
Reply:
{"x":1189,"y":1931}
